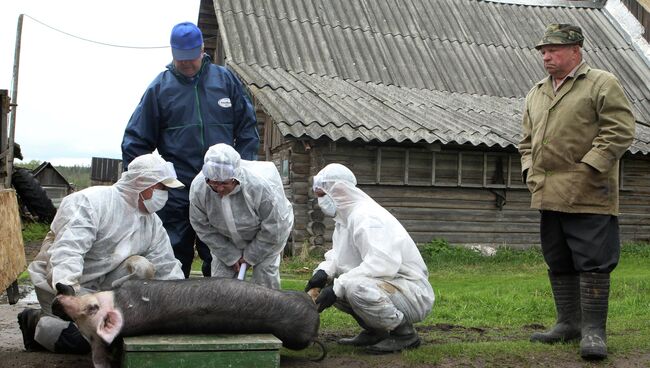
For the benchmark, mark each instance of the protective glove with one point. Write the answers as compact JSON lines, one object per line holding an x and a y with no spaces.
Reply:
{"x":326,"y":298}
{"x":318,"y":280}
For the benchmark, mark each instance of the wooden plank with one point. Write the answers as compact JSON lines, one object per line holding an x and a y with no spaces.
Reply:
{"x":378,"y":169}
{"x":469,"y":227}
{"x":205,"y":359}
{"x":12,"y":250}
{"x":470,"y":215}
{"x":200,"y":342}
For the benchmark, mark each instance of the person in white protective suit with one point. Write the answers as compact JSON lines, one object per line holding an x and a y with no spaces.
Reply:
{"x":239,"y":210}
{"x":100,"y":237}
{"x":374,"y":270}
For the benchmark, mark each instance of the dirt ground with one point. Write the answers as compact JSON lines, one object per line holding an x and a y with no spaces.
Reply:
{"x":12,"y":353}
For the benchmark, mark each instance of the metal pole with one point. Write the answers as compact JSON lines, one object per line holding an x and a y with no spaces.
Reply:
{"x":14,"y":103}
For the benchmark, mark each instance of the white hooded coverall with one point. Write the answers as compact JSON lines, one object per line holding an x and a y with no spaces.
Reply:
{"x":93,"y":233}
{"x":254,"y":221}
{"x":376,"y":266}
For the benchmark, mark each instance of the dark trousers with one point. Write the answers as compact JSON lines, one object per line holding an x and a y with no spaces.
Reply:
{"x":578,"y":242}
{"x":183,"y":238}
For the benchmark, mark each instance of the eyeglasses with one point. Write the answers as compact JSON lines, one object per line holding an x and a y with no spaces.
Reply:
{"x":215,"y":183}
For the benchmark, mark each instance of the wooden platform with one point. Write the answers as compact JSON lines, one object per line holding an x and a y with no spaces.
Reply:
{"x":12,"y":250}
{"x":202,"y":351}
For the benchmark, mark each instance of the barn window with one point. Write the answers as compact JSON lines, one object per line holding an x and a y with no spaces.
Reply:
{"x":285,"y":168}
{"x":445,"y":168}
{"x":419,"y":167}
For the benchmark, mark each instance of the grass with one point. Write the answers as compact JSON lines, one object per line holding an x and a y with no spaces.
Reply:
{"x":34,"y":231}
{"x":487,"y":307}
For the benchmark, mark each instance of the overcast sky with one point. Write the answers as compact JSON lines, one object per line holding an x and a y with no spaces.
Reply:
{"x":75,"y":97}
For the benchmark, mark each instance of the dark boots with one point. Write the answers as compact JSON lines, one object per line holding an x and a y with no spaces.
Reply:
{"x":368,"y":336}
{"x":566,"y":292}
{"x":580,"y":301}
{"x":71,"y":342}
{"x":27,"y":321}
{"x":594,"y":293}
{"x":380,"y":342}
{"x":365,"y":338}
{"x":402,"y":337}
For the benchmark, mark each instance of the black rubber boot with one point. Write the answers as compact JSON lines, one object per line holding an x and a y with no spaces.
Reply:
{"x":368,"y":336}
{"x":403,"y":337}
{"x":365,"y":338}
{"x":594,"y":293}
{"x":566,"y":292}
{"x":71,"y":342}
{"x":27,"y":321}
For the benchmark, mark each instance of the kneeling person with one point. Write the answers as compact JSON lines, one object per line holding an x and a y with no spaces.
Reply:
{"x":374,"y":270}
{"x":100,"y":237}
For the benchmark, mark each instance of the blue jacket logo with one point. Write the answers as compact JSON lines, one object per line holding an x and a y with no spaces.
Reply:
{"x":225,"y":102}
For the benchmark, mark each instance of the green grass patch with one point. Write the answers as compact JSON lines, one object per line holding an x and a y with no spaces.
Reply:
{"x":35,"y":231}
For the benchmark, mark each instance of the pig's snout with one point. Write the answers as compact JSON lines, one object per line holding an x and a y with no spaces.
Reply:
{"x":59,"y":310}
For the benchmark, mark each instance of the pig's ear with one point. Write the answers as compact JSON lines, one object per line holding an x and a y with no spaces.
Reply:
{"x":110,"y":326}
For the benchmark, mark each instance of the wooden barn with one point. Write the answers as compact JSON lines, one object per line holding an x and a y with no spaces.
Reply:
{"x":422,"y":100}
{"x":53,"y":182}
{"x":105,"y":171}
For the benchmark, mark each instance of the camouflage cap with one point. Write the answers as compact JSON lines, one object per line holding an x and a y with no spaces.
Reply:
{"x":561,"y":34}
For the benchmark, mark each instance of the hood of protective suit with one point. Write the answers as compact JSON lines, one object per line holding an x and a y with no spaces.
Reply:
{"x":222,"y":163}
{"x":145,"y":171}
{"x":340,"y":184}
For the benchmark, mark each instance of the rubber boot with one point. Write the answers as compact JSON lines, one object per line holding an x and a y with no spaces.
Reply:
{"x":402,"y":337}
{"x":566,"y":293}
{"x":594,"y":293}
{"x":368,"y":335}
{"x":71,"y":342}
{"x":27,"y":321}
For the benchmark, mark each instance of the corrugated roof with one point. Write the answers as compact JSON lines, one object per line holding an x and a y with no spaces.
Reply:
{"x":417,"y":70}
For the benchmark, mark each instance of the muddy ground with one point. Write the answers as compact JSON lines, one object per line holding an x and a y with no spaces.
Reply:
{"x":13,"y":355}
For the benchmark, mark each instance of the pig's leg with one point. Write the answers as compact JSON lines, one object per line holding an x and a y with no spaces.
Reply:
{"x":101,"y":354}
{"x":134,"y":267}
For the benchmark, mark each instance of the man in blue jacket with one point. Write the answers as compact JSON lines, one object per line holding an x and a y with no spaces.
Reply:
{"x":189,"y":107}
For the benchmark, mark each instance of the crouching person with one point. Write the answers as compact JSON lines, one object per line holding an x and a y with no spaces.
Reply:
{"x":101,"y":236}
{"x":374,"y":270}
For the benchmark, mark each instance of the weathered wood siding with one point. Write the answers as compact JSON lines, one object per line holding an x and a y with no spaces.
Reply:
{"x":12,"y":251}
{"x":464,"y":206}
{"x":634,"y":218}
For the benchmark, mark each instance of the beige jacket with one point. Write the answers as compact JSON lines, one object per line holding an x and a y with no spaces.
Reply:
{"x":573,"y":142}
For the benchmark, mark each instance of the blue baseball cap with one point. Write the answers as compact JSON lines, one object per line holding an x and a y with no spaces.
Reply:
{"x":186,"y":41}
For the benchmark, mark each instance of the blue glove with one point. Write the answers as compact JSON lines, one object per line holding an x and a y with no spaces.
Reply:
{"x":317,"y":281}
{"x":326,"y":298}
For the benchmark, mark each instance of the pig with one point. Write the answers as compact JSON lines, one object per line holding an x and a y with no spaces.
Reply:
{"x":192,"y":306}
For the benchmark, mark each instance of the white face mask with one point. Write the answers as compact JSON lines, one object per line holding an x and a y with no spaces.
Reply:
{"x":157,"y":200}
{"x":327,"y":205}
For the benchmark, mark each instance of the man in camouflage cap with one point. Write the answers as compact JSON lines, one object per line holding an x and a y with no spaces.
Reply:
{"x":577,"y":124}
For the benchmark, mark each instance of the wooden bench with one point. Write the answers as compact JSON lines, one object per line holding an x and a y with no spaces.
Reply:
{"x":201,"y":351}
